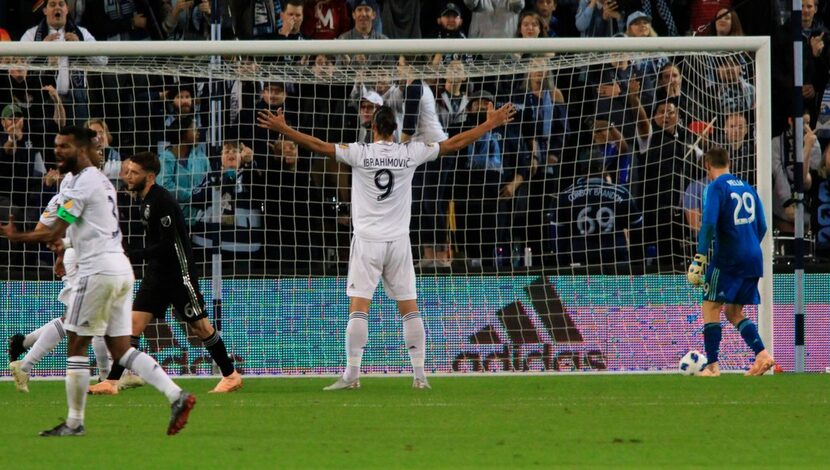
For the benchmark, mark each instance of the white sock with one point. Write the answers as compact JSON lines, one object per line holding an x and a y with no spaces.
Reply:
{"x":30,"y":339}
{"x":50,"y":335}
{"x":102,"y":356}
{"x":415,"y":340}
{"x":77,"y":384}
{"x":148,"y":369}
{"x":357,"y":335}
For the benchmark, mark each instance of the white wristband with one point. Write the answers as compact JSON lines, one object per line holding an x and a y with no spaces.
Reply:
{"x":67,"y":243}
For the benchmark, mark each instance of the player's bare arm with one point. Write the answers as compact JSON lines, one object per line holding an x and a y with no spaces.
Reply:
{"x":41,"y":234}
{"x":276,"y":122}
{"x":495,"y":118}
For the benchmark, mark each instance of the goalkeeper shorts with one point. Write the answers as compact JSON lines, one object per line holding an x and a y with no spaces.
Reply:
{"x":724,"y":288}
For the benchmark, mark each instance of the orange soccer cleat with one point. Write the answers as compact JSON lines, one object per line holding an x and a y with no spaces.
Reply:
{"x":228,"y":384}
{"x":105,"y":387}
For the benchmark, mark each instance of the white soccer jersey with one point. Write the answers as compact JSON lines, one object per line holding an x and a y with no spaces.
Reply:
{"x":382,"y":185}
{"x":89,"y":206}
{"x":429,"y":127}
{"x":50,"y":213}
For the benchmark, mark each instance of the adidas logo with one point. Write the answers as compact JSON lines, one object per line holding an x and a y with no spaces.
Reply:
{"x":523,"y":346}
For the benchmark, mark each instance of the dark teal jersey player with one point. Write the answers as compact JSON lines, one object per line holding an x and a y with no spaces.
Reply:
{"x":734,"y":216}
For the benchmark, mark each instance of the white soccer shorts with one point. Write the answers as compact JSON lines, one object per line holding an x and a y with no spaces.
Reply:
{"x":391,"y":261}
{"x":102,"y":305}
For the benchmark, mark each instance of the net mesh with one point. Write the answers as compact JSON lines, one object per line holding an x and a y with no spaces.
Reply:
{"x":555,"y":242}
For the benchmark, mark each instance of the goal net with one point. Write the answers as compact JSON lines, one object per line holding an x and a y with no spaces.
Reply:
{"x":558,"y":242}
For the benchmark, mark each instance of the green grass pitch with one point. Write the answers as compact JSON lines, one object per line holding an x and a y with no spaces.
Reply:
{"x":463,"y":422}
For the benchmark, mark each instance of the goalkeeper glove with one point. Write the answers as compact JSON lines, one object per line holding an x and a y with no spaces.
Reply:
{"x":696,"y":270}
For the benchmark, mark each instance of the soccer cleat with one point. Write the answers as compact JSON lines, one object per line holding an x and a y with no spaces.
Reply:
{"x":712,"y":370}
{"x":21,"y":378}
{"x":420,"y":384}
{"x":343,"y":385}
{"x":228,"y":384}
{"x":129,"y":380}
{"x":16,"y":348}
{"x":763,"y":363}
{"x":64,"y":430}
{"x":179,"y":412}
{"x":106,"y":387}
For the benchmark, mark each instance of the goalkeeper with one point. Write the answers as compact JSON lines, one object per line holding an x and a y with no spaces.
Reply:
{"x":734,"y":217}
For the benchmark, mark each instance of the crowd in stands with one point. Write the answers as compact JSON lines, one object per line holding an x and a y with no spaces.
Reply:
{"x":601,"y":166}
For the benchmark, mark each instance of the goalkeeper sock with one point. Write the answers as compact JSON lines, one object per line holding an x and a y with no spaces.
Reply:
{"x":117,"y":368}
{"x":50,"y":335}
{"x":415,"y":339}
{"x":357,"y":335}
{"x":102,"y":358}
{"x":750,"y":335}
{"x":216,"y":348}
{"x":711,"y":339}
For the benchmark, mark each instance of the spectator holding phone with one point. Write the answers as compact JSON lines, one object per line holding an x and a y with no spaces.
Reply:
{"x":599,"y":18}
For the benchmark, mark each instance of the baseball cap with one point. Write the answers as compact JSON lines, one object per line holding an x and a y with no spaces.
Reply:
{"x":373,"y":98}
{"x":481,"y":94}
{"x":366,"y":3}
{"x":451,"y":8}
{"x":11,"y":111}
{"x":636,"y":16}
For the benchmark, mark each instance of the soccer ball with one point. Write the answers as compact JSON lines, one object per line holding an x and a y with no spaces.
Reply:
{"x":692,"y":363}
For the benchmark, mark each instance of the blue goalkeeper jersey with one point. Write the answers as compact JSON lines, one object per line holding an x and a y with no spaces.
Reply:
{"x":732,"y":207}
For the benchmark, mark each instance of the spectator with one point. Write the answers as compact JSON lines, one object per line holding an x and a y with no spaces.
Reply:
{"x":700,"y":14}
{"x":237,"y":226}
{"x":599,"y":18}
{"x":488,"y":177}
{"x":188,"y":20}
{"x":452,"y":103}
{"x":256,"y":19}
{"x":291,"y":18}
{"x":71,"y":84}
{"x":121,"y":20}
{"x":820,"y":206}
{"x":23,"y":168}
{"x":560,"y":16}
{"x":531,"y":25}
{"x":594,"y":219}
{"x":33,"y":93}
{"x":368,"y":104}
{"x":494,"y":18}
{"x":401,"y":19}
{"x":783,"y":209}
{"x":816,"y":58}
{"x":734,"y":93}
{"x":110,"y":157}
{"x":543,"y":117}
{"x":736,"y":141}
{"x":364,"y":17}
{"x":661,"y":13}
{"x":727,"y":23}
{"x":325,"y":19}
{"x":664,"y":174}
{"x":450,"y":27}
{"x":184,"y":166}
{"x":638,"y":25}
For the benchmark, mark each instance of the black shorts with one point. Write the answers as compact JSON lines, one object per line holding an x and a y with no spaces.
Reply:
{"x":156,"y":294}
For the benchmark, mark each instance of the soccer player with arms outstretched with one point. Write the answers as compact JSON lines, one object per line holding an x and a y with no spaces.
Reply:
{"x":103,"y":298}
{"x":381,"y":210}
{"x":170,"y":277}
{"x":734,"y":216}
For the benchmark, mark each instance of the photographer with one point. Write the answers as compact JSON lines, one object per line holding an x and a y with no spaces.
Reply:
{"x":599,"y":18}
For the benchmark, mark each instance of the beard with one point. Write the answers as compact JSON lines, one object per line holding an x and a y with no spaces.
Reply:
{"x":139,"y":186}
{"x":68,"y":165}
